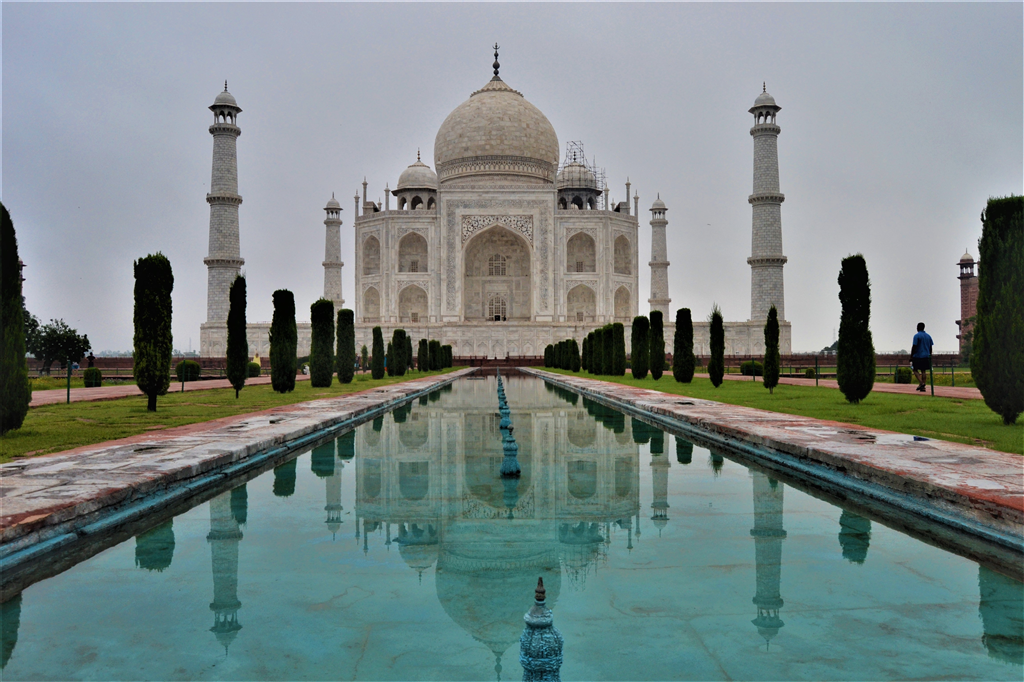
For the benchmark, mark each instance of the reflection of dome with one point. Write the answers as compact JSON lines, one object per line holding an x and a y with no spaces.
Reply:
{"x":768,"y":624}
{"x":416,"y":176}
{"x":580,"y":546}
{"x":496,"y":134}
{"x":418,"y":546}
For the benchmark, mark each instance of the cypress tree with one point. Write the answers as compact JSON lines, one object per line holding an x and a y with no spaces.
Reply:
{"x":284,"y":342}
{"x":434,"y":353}
{"x":448,"y":358}
{"x":561,"y":357}
{"x":321,"y":344}
{"x":855,"y":352}
{"x":238,"y":345}
{"x":346,"y":351}
{"x":389,"y":362}
{"x":154,"y":282}
{"x":15,"y":388}
{"x":377,"y":361}
{"x":641,"y":346}
{"x":583,"y":354}
{"x":619,"y":350}
{"x":409,"y":362}
{"x":423,"y":357}
{"x":716,"y":365}
{"x":398,"y":342}
{"x":591,"y":348}
{"x":771,"y":350}
{"x":548,"y":355}
{"x":682,"y":347}
{"x":606,"y":350}
{"x":657,"y":360}
{"x":997,"y":356}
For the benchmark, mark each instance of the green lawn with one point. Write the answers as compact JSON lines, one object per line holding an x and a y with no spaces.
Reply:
{"x":53,"y":428}
{"x":962,"y":421}
{"x":46,"y":383}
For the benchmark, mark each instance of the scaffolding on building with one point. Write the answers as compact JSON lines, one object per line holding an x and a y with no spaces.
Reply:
{"x":574,"y":153}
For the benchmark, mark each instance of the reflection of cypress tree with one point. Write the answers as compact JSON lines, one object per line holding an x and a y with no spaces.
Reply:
{"x":154,"y":549}
{"x":378,"y":424}
{"x":1001,"y":608}
{"x":400,"y":413}
{"x":284,"y":479}
{"x":240,"y":504}
{"x":423,"y":400}
{"x":854,"y":537}
{"x":10,"y":619}
{"x":684,"y":451}
{"x":347,"y":445}
{"x":322,"y":460}
{"x":641,"y":431}
{"x":657,"y":441}
{"x":716,"y":462}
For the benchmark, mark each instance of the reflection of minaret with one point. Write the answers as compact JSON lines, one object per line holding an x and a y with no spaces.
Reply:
{"x":659,"y":478}
{"x":768,"y":535}
{"x":1001,"y":608}
{"x":223,"y":538}
{"x":334,"y":507}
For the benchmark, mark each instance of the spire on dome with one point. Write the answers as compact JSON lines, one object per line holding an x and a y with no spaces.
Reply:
{"x":225,"y":85}
{"x":496,"y":64}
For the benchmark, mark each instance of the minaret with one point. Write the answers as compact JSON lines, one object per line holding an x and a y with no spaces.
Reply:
{"x":332,"y":255}
{"x":333,"y":506}
{"x":659,"y":483}
{"x":768,"y":535}
{"x":224,"y":262}
{"x":224,"y":538}
{"x":968,"y":297}
{"x":659,"y":299}
{"x":766,"y":259}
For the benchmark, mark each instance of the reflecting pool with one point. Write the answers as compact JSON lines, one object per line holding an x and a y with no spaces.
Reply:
{"x":395,"y":552}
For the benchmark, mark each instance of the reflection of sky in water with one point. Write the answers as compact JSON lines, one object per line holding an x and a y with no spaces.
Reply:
{"x":396,"y":552}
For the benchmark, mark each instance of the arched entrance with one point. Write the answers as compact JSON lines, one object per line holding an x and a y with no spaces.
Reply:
{"x":497,"y":277}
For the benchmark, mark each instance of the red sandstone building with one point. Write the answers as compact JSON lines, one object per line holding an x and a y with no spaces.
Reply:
{"x":968,"y":297}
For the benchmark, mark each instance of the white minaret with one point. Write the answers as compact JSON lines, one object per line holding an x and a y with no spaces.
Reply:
{"x":225,"y":261}
{"x":659,"y":299}
{"x":766,"y":259}
{"x":332,"y":255}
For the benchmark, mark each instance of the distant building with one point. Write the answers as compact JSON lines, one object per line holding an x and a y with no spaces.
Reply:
{"x":968,"y":297}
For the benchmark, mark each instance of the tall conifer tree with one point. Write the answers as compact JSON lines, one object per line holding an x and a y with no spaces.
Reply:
{"x":682,"y":347}
{"x":398,"y":338}
{"x":618,"y":350}
{"x":409,"y":362}
{"x":238,"y":344}
{"x":641,"y":346}
{"x":855,"y":352}
{"x":423,"y":356}
{"x":346,"y":352}
{"x":377,"y":360}
{"x":321,"y":343}
{"x":15,"y":388}
{"x":771,"y":350}
{"x":154,"y":282}
{"x":716,"y":365}
{"x":284,"y":342}
{"x":657,"y":360}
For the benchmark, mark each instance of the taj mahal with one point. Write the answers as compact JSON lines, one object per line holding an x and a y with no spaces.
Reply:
{"x":504,"y":246}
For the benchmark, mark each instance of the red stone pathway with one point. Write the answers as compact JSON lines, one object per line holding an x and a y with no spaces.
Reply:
{"x":59,"y":395}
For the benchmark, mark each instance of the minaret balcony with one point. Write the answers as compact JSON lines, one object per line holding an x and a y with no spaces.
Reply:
{"x":765,"y":129}
{"x":224,"y":262}
{"x":767,"y":198}
{"x":225,"y":129}
{"x":223,"y":198}
{"x":767,"y":260}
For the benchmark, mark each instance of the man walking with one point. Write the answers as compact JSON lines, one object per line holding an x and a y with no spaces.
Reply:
{"x":921,"y":355}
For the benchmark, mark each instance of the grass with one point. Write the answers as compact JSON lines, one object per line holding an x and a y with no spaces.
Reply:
{"x":44,"y":383}
{"x":961,"y":421}
{"x":54,"y":428}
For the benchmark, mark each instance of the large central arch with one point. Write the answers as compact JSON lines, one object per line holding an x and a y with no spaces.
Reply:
{"x":497,"y":276}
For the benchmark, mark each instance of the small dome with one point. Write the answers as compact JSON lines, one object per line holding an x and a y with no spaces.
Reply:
{"x":417,"y":176}
{"x":225,"y":99}
{"x":764,"y":100}
{"x":658,"y":205}
{"x":576,"y":176}
{"x":967,"y":257}
{"x":333,"y":203}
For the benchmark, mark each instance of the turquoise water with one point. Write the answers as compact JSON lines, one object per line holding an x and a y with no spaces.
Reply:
{"x":396,"y":553}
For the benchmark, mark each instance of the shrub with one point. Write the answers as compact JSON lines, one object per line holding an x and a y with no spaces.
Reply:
{"x":855,"y":353}
{"x":903,"y":375}
{"x":771,"y":350}
{"x":15,"y":388}
{"x":434,"y":353}
{"x":752,"y":368}
{"x":618,"y":334}
{"x":997,"y":353}
{"x":397,"y":351}
{"x":238,"y":345}
{"x":255,"y":369}
{"x":682,"y":347}
{"x":154,"y":282}
{"x":377,"y":362}
{"x":657,"y":352}
{"x":93,"y":377}
{"x":345,"y":354}
{"x":641,"y":346}
{"x":423,"y":356}
{"x":809,"y":373}
{"x":284,"y":342}
{"x":716,"y":365}
{"x":187,"y":370}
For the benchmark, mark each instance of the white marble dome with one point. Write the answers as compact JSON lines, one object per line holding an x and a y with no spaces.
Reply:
{"x":225,"y":99}
{"x":576,"y":176}
{"x":417,"y":176}
{"x":496,"y":136}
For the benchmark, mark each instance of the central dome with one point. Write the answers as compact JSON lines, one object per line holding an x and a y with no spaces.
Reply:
{"x":496,"y":137}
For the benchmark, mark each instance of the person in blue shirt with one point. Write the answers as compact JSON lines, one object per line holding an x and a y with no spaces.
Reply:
{"x":921,"y":355}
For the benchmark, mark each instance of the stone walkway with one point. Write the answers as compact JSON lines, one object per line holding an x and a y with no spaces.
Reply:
{"x":970,"y":488}
{"x":55,"y":396}
{"x":961,"y":392}
{"x":53,"y":500}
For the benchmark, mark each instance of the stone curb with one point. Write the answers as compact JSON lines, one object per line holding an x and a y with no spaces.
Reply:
{"x":969,"y":488}
{"x":54,"y":500}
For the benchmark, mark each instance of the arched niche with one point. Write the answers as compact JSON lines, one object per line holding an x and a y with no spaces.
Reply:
{"x":581,"y":253}
{"x":412,"y":253}
{"x":412,"y":304}
{"x":582,"y":478}
{"x":371,"y":478}
{"x":623,"y":477}
{"x":497,"y":263}
{"x":581,"y":304}
{"x":413,"y":433}
{"x":622,"y":307}
{"x":623,"y":256}
{"x":371,"y":305}
{"x":414,"y":480}
{"x":581,"y":430}
{"x":371,"y":256}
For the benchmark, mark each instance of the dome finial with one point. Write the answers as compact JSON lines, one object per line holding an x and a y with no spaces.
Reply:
{"x":496,"y":64}
{"x":417,"y":153}
{"x":764,"y":86}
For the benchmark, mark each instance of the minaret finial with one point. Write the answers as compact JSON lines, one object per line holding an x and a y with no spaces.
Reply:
{"x":496,"y":64}
{"x":764,"y":86}
{"x":225,"y":85}
{"x":417,"y":153}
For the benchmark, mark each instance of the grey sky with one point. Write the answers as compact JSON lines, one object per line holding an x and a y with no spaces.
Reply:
{"x":898,"y":122}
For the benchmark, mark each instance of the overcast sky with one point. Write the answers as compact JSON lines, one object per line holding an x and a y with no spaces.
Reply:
{"x":898,"y":123}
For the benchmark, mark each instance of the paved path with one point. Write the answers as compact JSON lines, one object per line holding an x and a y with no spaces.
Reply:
{"x":59,"y":395}
{"x":961,"y":392}
{"x":966,"y":487}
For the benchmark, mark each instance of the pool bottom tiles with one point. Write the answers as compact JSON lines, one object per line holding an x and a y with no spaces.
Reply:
{"x":397,"y":553}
